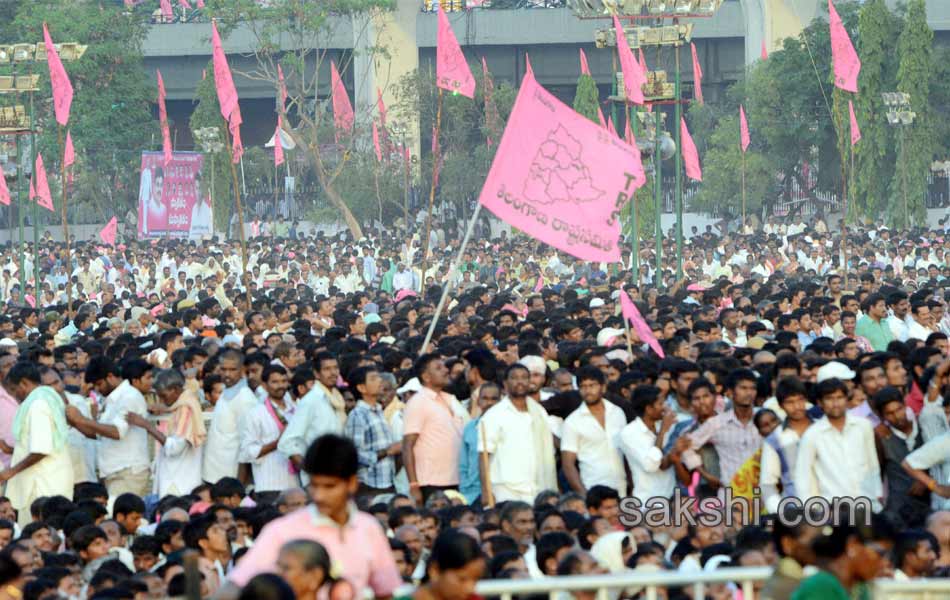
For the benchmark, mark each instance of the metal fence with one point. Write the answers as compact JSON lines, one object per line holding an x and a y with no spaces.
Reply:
{"x":918,"y":589}
{"x":458,"y":5}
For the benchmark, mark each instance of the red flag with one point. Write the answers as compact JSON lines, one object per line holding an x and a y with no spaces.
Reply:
{"x":278,"y":146}
{"x":343,"y":116}
{"x":690,"y":155}
{"x":69,"y":152}
{"x":224,"y":83}
{"x":376,"y":146}
{"x":41,"y":189}
{"x":62,"y":88}
{"x":4,"y":190}
{"x":167,"y":11}
{"x":184,"y":4}
{"x":163,"y":120}
{"x":855,"y":130}
{"x":640,"y":326}
{"x":697,"y":76}
{"x":109,"y":231}
{"x":765,"y":51}
{"x":585,"y":68}
{"x":847,"y":65}
{"x":451,"y":68}
{"x":633,"y":78}
{"x":744,"y":138}
{"x":283,"y":86}
{"x":527,"y":66}
{"x":639,"y":175}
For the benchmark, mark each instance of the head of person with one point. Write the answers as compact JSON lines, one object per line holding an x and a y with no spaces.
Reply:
{"x":592,"y":384}
{"x":331,"y":464}
{"x":432,"y":372}
{"x":455,"y":566}
{"x":915,"y":553}
{"x":305,"y":566}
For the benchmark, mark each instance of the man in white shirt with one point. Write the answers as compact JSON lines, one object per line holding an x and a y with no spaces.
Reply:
{"x":642,"y":444}
{"x":898,"y":320}
{"x":837,"y":456}
{"x":780,"y":450}
{"x":260,"y":434}
{"x":403,"y":279}
{"x":125,"y":464}
{"x":224,"y":435}
{"x":920,"y":324}
{"x":589,"y":437}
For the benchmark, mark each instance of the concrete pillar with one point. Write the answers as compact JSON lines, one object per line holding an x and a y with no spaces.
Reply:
{"x":772,"y":21}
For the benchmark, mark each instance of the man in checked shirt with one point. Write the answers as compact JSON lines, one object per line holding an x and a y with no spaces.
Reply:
{"x":366,"y":426}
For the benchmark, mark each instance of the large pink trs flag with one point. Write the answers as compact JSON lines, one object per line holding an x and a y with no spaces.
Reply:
{"x":451,"y":69}
{"x":690,"y":155}
{"x":847,"y":65}
{"x":697,"y":75}
{"x":40,"y":190}
{"x":343,"y":117}
{"x":558,"y":178}
{"x":744,"y":138}
{"x":4,"y":190}
{"x":855,"y":130}
{"x":631,"y":313}
{"x":633,"y":77}
{"x":163,"y":120}
{"x":227,"y":93}
{"x":62,"y":88}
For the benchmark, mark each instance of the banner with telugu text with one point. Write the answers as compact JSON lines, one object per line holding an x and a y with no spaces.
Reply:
{"x":171,"y":203}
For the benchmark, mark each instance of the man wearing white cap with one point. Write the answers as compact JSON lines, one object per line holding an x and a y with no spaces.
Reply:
{"x":539,"y":371}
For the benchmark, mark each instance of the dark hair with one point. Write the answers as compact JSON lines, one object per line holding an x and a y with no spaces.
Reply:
{"x":699,"y":384}
{"x":128,"y":503}
{"x":788,"y":387}
{"x":906,"y":543}
{"x":453,"y":550}
{"x":644,"y":396}
{"x":333,"y":456}
{"x":227,"y":487}
{"x":146,"y":544}
{"x":828,"y":387}
{"x":550,"y":544}
{"x":884,"y":397}
{"x":83,"y":537}
{"x":24,"y":371}
{"x":739,"y":375}
{"x":270,"y":370}
{"x":135,"y":368}
{"x":597,"y":494}
{"x":267,"y":586}
{"x":590,"y":374}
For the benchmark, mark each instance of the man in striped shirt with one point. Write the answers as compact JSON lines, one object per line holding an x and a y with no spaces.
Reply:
{"x":366,"y":426}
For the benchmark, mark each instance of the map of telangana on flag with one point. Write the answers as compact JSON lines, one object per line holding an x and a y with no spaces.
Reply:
{"x":558,"y":174}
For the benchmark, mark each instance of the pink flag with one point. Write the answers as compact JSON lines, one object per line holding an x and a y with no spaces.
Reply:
{"x":537,"y":287}
{"x":184,"y":4}
{"x":237,"y":147}
{"x":765,"y":51}
{"x":633,"y":78}
{"x":283,"y":86}
{"x":62,"y":88}
{"x":847,"y":65}
{"x":610,"y":125}
{"x":201,"y":3}
{"x":376,"y":146}
{"x":697,"y":76}
{"x":555,"y":177}
{"x":343,"y":116}
{"x":109,"y":231}
{"x":224,"y":83}
{"x":690,"y":155}
{"x":639,"y":176}
{"x":640,"y":326}
{"x":585,"y":68}
{"x":278,"y":146}
{"x":451,"y":68}
{"x":528,"y":70}
{"x":4,"y":190}
{"x":744,"y":138}
{"x":167,"y":11}
{"x":41,"y":189}
{"x":163,"y":120}
{"x":69,"y":152}
{"x":855,"y":130}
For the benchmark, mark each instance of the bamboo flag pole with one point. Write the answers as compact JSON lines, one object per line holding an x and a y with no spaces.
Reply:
{"x":69,"y":262}
{"x":743,"y":188}
{"x":435,"y":165}
{"x":245,"y":277}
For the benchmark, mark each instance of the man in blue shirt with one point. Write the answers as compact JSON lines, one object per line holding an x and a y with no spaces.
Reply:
{"x":469,"y":480}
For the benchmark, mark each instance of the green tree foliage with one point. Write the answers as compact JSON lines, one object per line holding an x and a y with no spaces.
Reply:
{"x":915,"y":154}
{"x":587,"y":98}
{"x":207,"y":113}
{"x":111,"y":119}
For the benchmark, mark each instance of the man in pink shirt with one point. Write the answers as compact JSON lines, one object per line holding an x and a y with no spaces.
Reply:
{"x":433,"y":421}
{"x":354,"y":540}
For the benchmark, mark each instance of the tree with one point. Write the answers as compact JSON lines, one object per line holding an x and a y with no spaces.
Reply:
{"x":874,"y":155}
{"x":297,"y":34}
{"x":207,"y":114}
{"x":915,"y":150}
{"x":587,"y":98}
{"x":111,"y":119}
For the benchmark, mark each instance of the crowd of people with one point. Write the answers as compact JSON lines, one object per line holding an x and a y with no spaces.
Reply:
{"x":175,"y":422}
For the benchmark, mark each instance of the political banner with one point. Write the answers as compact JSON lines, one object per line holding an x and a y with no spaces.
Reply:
{"x":171,"y":203}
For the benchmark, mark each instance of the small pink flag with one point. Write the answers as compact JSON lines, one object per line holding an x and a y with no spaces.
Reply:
{"x":376,"y":146}
{"x":847,"y":65}
{"x":537,"y":287}
{"x":109,"y":232}
{"x":528,"y":70}
{"x":41,"y":189}
{"x":283,"y":86}
{"x":167,"y":11}
{"x":585,"y":68}
{"x":451,"y":69}
{"x":855,"y":130}
{"x":639,"y":175}
{"x":640,"y":326}
{"x":278,"y":146}
{"x":697,"y":76}
{"x":343,"y":116}
{"x":633,"y":78}
{"x":744,"y":138}
{"x":201,"y":3}
{"x":184,"y":4}
{"x":163,"y":120}
{"x":765,"y":51}
{"x":690,"y":155}
{"x":224,"y":83}
{"x":69,"y":152}
{"x":62,"y":88}
{"x":4,"y":190}
{"x":555,"y":177}
{"x":237,"y":147}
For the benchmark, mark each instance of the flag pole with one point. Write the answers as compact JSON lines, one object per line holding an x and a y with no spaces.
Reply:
{"x":435,"y":166}
{"x":743,"y":185}
{"x":69,"y":262}
{"x":452,"y":269}
{"x":240,"y":211}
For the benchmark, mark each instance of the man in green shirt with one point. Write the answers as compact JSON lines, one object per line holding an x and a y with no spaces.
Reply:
{"x":872,"y":325}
